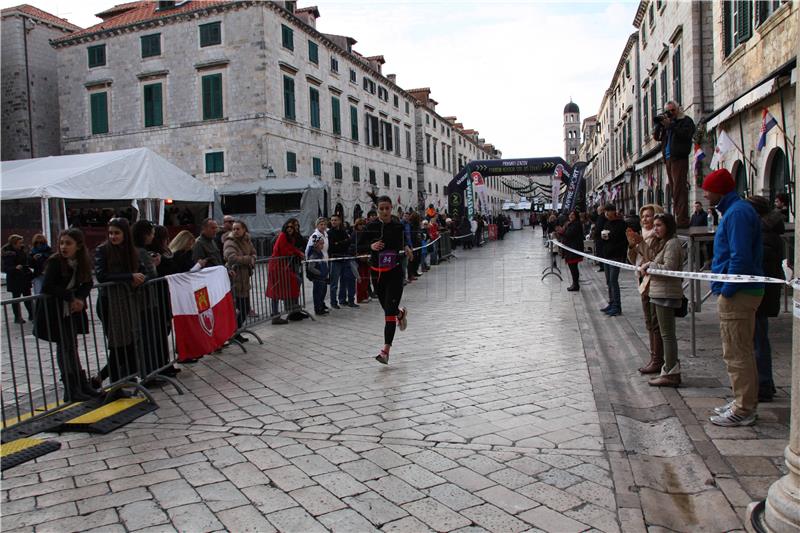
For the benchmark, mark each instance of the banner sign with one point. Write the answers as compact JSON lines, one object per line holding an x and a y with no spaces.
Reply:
{"x":574,"y":188}
{"x":461,"y":204}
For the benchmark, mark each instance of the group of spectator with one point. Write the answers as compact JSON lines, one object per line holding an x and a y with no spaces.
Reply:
{"x":747,"y":241}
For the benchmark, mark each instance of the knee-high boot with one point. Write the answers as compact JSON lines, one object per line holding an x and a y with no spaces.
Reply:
{"x":656,"y":355}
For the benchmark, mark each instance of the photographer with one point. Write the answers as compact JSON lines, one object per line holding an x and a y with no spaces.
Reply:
{"x":674,"y":131}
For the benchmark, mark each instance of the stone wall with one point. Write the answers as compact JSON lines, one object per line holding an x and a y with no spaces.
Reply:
{"x":42,"y":71}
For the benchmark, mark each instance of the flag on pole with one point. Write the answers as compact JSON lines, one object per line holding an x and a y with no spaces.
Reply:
{"x":724,"y":145}
{"x":699,"y":154}
{"x":202,"y":311}
{"x":767,"y":123}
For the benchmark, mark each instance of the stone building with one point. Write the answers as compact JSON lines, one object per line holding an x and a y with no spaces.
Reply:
{"x":572,"y":132}
{"x":30,"y":121}
{"x":675,"y":61}
{"x":755,"y":70}
{"x":242,"y":90}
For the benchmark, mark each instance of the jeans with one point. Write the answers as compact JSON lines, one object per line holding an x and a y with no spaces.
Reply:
{"x":338,"y":270}
{"x":320,"y":289}
{"x":763,"y":351}
{"x":612,"y":280}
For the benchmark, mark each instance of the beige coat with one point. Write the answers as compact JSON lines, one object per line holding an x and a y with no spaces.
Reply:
{"x":239,"y":254}
{"x":670,"y":257}
{"x":642,"y":253}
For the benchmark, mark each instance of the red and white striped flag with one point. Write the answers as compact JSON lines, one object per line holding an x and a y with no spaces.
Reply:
{"x":202,"y":311}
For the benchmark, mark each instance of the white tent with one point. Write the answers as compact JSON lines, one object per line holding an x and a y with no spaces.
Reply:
{"x":120,"y":175}
{"x":262,"y":221}
{"x":139,"y":175}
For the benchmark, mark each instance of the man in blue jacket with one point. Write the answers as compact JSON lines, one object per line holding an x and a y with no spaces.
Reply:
{"x":737,"y":250}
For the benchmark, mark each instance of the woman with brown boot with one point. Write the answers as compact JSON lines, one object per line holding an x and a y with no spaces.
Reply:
{"x":666,"y":296}
{"x":640,"y":251}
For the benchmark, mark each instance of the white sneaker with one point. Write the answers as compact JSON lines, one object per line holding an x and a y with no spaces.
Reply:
{"x":730,"y":419}
{"x":722,"y":409}
{"x":402,"y":320}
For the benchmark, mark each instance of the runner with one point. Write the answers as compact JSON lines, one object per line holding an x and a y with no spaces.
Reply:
{"x":386,"y":236}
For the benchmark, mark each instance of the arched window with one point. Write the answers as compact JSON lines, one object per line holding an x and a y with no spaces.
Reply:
{"x":778,"y":174}
{"x":357,"y":212}
{"x":339,"y":210}
{"x":740,"y":176}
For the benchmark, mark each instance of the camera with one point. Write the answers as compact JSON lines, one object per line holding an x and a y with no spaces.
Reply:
{"x":658,"y":119}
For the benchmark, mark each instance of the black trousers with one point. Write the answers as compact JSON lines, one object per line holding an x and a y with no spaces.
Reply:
{"x":389,"y":287}
{"x":576,"y":276}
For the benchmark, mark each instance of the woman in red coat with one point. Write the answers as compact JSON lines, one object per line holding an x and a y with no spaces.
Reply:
{"x":282,"y":281}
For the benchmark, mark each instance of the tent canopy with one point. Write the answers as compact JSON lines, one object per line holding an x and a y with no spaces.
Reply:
{"x":313,"y":199}
{"x":133,"y":174}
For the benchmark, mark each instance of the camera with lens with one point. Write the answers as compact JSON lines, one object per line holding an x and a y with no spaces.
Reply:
{"x":659,"y":119}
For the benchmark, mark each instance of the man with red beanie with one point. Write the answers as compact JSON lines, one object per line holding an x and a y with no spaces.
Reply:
{"x":737,"y":250}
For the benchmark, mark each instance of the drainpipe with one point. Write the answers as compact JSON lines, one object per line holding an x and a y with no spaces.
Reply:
{"x":702,"y":70}
{"x":28,"y":82}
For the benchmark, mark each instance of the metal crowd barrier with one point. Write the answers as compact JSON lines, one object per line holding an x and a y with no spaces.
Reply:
{"x":50,"y":361}
{"x":275,"y":289}
{"x":445,"y":245}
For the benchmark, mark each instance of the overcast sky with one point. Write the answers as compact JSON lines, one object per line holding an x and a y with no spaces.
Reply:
{"x":505,"y":69}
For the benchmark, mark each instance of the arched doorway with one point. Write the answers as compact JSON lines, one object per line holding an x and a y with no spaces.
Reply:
{"x":740,"y":177}
{"x":357,"y":212}
{"x":777,"y":174}
{"x":339,"y":210}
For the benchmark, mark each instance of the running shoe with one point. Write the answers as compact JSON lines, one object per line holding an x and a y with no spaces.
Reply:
{"x":731,"y":419}
{"x":382,"y":357}
{"x":402,"y":319}
{"x":722,"y":409}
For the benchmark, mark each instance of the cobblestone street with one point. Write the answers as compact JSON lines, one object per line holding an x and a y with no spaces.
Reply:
{"x":508,"y":405}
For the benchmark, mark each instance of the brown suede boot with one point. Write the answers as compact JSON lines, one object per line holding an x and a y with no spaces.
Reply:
{"x":671,"y":378}
{"x":656,"y":356}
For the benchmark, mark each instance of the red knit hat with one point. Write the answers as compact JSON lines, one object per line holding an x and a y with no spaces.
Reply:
{"x":720,"y":181}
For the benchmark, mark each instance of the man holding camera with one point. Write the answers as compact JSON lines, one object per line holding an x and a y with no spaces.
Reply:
{"x":674,"y":131}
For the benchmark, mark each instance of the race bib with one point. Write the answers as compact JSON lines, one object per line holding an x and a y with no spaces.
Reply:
{"x":387,"y":259}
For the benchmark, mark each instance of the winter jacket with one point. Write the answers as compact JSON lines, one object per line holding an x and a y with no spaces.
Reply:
{"x":205,"y":248}
{"x":17,"y":280}
{"x":616,"y":246}
{"x":573,"y":237}
{"x":738,"y":246}
{"x":38,"y":258}
{"x":681,"y":130}
{"x":51,"y":324}
{"x":771,"y":230}
{"x":338,"y":242}
{"x":699,"y":219}
{"x":118,"y":305}
{"x":670,"y":257}
{"x":314,"y":238}
{"x":282,"y":282}
{"x":239,"y":255}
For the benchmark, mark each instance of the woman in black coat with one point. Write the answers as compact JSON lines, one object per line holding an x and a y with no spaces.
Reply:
{"x":61,"y":315}
{"x":771,"y":230}
{"x":18,"y":274}
{"x":572,"y":236}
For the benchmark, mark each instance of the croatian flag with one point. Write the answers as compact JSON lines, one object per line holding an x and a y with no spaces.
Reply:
{"x":767,"y":123}
{"x":699,"y":154}
{"x":202,"y":311}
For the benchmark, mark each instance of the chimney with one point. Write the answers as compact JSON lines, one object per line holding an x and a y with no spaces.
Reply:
{"x":309,"y":15}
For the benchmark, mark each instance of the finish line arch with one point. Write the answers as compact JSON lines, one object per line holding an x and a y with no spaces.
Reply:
{"x":461,"y":189}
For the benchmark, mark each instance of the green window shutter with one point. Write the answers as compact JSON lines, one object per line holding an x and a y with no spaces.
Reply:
{"x":677,"y":89}
{"x":210,"y":34}
{"x":372,"y":179}
{"x":400,"y":182}
{"x":151,"y":45}
{"x":215,"y":162}
{"x":336,"y":116}
{"x":287,"y":37}
{"x":97,"y":55}
{"x":153,"y":108}
{"x":316,"y":164}
{"x":313,"y":52}
{"x":212,"y":96}
{"x":313,"y":96}
{"x":354,"y":123}
{"x":356,"y":174}
{"x":654,"y":98}
{"x":387,"y":180}
{"x":337,"y":171}
{"x":291,"y":162}
{"x":645,"y":113}
{"x":744,"y":20}
{"x":288,"y":98}
{"x":98,"y":102}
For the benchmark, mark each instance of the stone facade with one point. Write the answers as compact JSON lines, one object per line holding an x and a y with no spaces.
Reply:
{"x":759,"y":69}
{"x":30,"y":120}
{"x":255,"y":133}
{"x":572,"y":132}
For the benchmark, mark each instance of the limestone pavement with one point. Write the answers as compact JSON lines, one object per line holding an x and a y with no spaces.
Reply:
{"x":508,"y":405}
